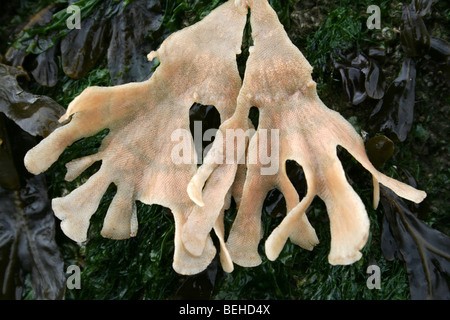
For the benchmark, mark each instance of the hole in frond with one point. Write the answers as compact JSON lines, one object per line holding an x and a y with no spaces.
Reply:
{"x":203,"y":123}
{"x":357,"y":176}
{"x":355,"y":173}
{"x":297,"y":177}
{"x":254,"y":116}
{"x":274,"y":204}
{"x":247,"y":42}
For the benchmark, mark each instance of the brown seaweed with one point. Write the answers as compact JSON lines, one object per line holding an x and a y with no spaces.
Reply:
{"x":423,"y":249}
{"x":395,"y":112}
{"x":362,"y":75}
{"x":353,"y":67}
{"x":122,"y":31}
{"x":27,"y":224}
{"x":35,"y":114}
{"x":131,"y":29}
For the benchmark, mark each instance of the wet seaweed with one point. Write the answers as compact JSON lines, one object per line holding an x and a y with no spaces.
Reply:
{"x":27,"y":240}
{"x":363,"y":73}
{"x":119,"y":29}
{"x":395,"y":112}
{"x":423,"y":249}
{"x":353,"y":68}
{"x":35,"y":114}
